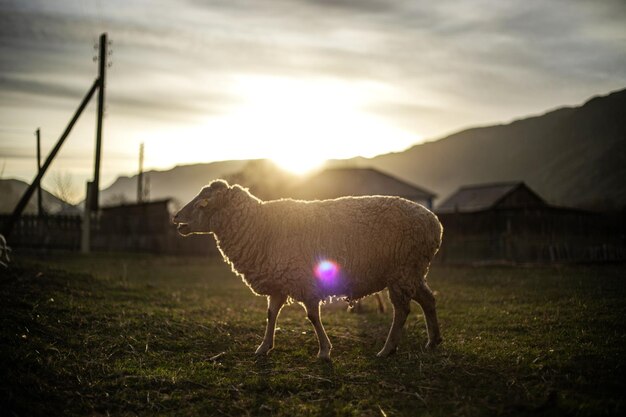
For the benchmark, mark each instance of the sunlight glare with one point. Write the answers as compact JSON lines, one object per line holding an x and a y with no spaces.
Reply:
{"x":297,"y":123}
{"x":310,"y":121}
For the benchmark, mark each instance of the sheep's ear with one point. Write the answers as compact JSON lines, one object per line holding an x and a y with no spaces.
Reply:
{"x":202,"y":203}
{"x":219,"y":185}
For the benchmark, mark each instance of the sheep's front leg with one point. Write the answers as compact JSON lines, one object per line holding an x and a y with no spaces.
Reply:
{"x":274,"y":304}
{"x":313,"y":314}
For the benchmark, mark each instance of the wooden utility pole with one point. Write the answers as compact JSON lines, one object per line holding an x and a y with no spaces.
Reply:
{"x":39,"y":200}
{"x":102,"y":64}
{"x":93,"y":187}
{"x":140,"y":176}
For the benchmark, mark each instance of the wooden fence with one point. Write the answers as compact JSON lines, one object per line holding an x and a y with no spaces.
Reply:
{"x":132,"y":235}
{"x":542,"y":235}
{"x":545,"y":235}
{"x":145,"y":227}
{"x":45,"y":232}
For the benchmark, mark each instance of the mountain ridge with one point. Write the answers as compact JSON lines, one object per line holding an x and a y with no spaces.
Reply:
{"x":587,"y":142}
{"x":12,"y":189}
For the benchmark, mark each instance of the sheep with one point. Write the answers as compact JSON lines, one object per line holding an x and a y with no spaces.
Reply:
{"x":308,"y":251}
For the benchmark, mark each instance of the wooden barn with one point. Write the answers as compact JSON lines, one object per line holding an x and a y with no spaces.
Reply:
{"x":341,"y":182}
{"x":508,"y":195}
{"x":510,"y":223}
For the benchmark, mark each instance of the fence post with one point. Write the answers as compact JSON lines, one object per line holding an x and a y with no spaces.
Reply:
{"x":508,"y":235}
{"x":39,"y":199}
{"x":85,"y":236}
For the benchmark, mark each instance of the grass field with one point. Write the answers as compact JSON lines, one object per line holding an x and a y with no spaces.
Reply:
{"x":146,"y":335}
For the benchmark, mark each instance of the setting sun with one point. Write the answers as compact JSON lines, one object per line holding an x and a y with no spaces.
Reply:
{"x":305,"y":122}
{"x":298,"y":164}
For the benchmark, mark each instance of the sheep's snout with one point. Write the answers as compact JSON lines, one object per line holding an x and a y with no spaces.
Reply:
{"x":182,"y":224}
{"x":177,"y":219}
{"x":183,"y":229}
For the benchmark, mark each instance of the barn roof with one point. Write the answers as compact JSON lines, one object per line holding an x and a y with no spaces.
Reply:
{"x":481,"y":196}
{"x":340,"y":182}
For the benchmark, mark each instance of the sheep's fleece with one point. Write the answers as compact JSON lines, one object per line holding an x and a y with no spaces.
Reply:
{"x":277,"y":247}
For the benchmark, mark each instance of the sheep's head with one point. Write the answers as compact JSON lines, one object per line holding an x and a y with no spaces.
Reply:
{"x":195,"y":217}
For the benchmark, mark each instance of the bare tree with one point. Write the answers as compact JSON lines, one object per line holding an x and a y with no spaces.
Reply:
{"x":117,"y":199}
{"x":64,"y":188}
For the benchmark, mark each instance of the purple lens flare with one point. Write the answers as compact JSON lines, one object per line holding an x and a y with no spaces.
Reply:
{"x":327,"y":271}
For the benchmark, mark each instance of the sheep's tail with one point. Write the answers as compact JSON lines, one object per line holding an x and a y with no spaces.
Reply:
{"x":438,"y":235}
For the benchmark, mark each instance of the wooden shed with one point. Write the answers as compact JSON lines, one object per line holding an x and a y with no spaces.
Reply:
{"x":472,"y":198}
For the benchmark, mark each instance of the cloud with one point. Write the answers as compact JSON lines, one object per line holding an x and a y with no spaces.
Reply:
{"x":452,"y":64}
{"x":17,"y":85}
{"x":178,"y":108}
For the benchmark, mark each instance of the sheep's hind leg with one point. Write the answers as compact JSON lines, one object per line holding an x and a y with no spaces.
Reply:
{"x":313,"y":314}
{"x":401,"y":307}
{"x":425,"y":298}
{"x":274,"y":304}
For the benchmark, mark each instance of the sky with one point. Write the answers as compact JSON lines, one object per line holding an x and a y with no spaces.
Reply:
{"x":296,"y":81}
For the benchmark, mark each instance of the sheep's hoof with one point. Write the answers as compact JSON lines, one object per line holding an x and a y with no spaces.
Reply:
{"x":324,"y":355}
{"x":263,"y":350}
{"x":386,"y":352}
{"x":432,"y":344}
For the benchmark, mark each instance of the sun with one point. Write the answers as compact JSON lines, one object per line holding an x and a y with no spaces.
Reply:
{"x":298,"y":119}
{"x":308,"y":121}
{"x":298,"y":164}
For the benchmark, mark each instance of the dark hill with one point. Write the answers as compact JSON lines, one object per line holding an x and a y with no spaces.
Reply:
{"x":181,"y":182}
{"x":11,"y":190}
{"x":571,"y":156}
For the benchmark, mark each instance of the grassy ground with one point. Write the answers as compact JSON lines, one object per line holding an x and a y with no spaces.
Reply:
{"x":147,"y":335}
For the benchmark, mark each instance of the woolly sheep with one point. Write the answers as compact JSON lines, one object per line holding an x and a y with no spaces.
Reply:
{"x":308,"y":251}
